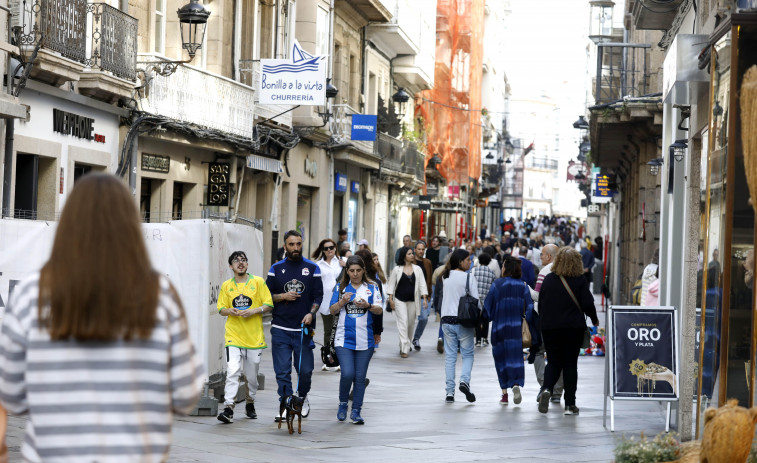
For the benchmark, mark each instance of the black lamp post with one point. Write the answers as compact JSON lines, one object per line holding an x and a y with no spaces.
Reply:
{"x":401,"y":97}
{"x":331,"y":93}
{"x":654,"y":166}
{"x":679,"y":149}
{"x":193,"y":21}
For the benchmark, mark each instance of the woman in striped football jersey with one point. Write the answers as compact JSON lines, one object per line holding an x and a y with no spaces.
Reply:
{"x":356,"y":299}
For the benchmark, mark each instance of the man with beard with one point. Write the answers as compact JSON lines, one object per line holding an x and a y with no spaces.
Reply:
{"x":295,"y":283}
{"x":243,"y":299}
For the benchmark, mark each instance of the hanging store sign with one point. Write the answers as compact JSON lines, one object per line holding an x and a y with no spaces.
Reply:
{"x":432,"y":189}
{"x":355,"y":187}
{"x":300,"y":80}
{"x":641,"y":345}
{"x":156,"y":163}
{"x":340,"y":183}
{"x":218,"y":183}
{"x":424,"y":202}
{"x":364,"y":127}
{"x":602,"y":191}
{"x":453,"y":191}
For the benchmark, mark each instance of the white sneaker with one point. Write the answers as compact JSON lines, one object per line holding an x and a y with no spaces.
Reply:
{"x":516,"y":395}
{"x":324,"y":368}
{"x":305,"y":408}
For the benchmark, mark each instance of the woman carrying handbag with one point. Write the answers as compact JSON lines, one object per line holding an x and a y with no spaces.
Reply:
{"x":564,"y":302}
{"x":405,"y":290}
{"x":507,"y":305}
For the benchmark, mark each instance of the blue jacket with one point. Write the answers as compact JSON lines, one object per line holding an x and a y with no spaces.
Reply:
{"x":527,"y":272}
{"x":303,"y":276}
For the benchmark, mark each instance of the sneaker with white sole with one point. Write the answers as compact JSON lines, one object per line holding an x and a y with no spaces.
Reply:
{"x":465,"y":389}
{"x":516,"y":395}
{"x":571,"y":410}
{"x":227,"y":415}
{"x":305,"y":407}
{"x":250,"y":411}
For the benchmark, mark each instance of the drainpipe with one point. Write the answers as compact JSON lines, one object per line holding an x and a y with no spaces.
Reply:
{"x":330,"y":205}
{"x":123,"y":5}
{"x":236,"y":49}
{"x":10,"y":125}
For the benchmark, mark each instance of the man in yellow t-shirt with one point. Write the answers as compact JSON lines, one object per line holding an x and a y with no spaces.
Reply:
{"x":242,"y":299}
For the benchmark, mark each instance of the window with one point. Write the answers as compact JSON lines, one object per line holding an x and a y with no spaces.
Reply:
{"x":80,"y":170}
{"x":160,"y":26}
{"x":322,"y":38}
{"x":178,"y":199}
{"x":26,"y":191}
{"x":145,"y":198}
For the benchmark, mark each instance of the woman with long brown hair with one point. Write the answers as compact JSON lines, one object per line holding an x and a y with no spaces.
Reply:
{"x":331,"y":267}
{"x":95,"y":347}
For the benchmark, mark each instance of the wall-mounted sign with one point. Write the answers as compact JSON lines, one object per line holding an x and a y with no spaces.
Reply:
{"x":355,"y":187}
{"x":311,"y":168}
{"x":218,"y":183}
{"x":364,"y":127}
{"x":340,"y":183}
{"x":432,"y":189}
{"x":300,"y":80}
{"x":575,"y":168}
{"x":156,"y":163}
{"x":424,"y":202}
{"x":453,"y":191}
{"x":602,"y":191}
{"x":73,"y":124}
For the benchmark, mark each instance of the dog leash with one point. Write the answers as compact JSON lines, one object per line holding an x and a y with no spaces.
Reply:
{"x":299,"y":363}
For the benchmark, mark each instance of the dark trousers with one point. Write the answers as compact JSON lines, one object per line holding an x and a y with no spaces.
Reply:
{"x":563,"y":346}
{"x":482,"y":329}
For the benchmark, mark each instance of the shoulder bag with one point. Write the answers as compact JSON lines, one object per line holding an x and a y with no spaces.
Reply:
{"x":586,"y":342}
{"x":468,"y":312}
{"x":525,"y":330}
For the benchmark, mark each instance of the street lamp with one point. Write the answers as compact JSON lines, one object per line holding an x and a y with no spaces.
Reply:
{"x":401,"y":97}
{"x":331,"y":93}
{"x":600,"y":20}
{"x":679,"y":149}
{"x":193,"y":21}
{"x":581,"y":123}
{"x":654,"y":166}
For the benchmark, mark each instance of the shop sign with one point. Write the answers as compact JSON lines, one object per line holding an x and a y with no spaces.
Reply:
{"x":364,"y":127}
{"x":340,"y":183}
{"x":641,"y":347}
{"x":432,"y":189}
{"x":311,"y":168}
{"x":73,"y":124}
{"x":299,"y":80}
{"x":453,"y":191}
{"x":424,"y":202}
{"x":354,"y":187}
{"x":602,"y":191}
{"x":218,"y":183}
{"x":156,"y":163}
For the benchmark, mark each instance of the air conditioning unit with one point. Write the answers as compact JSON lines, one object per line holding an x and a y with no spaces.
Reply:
{"x":19,"y":11}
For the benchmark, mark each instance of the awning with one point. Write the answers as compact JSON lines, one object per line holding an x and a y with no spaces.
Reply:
{"x":263,"y":163}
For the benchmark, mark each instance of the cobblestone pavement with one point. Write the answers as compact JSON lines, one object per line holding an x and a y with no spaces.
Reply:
{"x":407,"y":418}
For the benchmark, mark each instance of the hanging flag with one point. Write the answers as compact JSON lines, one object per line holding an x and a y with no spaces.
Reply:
{"x":528,"y":149}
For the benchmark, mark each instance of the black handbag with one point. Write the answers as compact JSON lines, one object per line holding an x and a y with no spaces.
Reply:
{"x":328,"y":354}
{"x":586,"y":340}
{"x":468,"y":311}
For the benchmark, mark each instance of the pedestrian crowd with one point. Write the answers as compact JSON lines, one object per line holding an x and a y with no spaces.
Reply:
{"x":112,"y":362}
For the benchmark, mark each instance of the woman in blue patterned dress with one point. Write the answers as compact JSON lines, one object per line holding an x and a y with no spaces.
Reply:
{"x":504,"y":306}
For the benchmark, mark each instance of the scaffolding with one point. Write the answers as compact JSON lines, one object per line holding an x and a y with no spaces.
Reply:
{"x":451,"y":111}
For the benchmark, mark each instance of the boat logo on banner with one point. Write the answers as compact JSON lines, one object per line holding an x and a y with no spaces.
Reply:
{"x":300,"y":80}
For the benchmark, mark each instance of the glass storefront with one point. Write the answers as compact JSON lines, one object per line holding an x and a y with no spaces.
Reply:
{"x":727,"y":235}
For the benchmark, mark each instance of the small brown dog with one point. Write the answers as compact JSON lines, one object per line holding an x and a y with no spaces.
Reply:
{"x":291,"y":406}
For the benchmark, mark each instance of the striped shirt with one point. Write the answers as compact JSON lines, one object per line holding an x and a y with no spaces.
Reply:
{"x":97,"y":400}
{"x":355,"y":328}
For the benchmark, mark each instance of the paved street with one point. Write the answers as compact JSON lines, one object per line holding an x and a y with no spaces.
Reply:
{"x":406,"y":417}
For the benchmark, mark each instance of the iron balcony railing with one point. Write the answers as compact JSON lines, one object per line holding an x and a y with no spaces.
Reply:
{"x":224,"y":104}
{"x":541,"y":163}
{"x":414,"y":162}
{"x":390,"y":151}
{"x":94,"y":34}
{"x":622,"y":70}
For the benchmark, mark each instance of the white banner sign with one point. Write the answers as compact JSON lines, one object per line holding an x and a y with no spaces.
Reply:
{"x":300,"y":80}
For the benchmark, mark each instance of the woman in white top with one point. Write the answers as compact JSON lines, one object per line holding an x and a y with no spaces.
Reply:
{"x":331,"y":266}
{"x":405,"y":289}
{"x":454,"y":280}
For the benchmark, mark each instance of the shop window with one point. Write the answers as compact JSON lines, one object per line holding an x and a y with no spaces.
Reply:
{"x":352,"y":220}
{"x":338,"y":214}
{"x":80,"y":170}
{"x":178,"y":200}
{"x":27,"y":178}
{"x":160,"y":26}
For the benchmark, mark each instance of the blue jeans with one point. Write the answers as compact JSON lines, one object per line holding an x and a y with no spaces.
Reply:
{"x":422,"y":320}
{"x":457,"y":336}
{"x":354,"y":365}
{"x":286,"y":347}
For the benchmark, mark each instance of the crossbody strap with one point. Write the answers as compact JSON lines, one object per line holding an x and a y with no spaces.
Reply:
{"x":467,"y":285}
{"x":572,"y":296}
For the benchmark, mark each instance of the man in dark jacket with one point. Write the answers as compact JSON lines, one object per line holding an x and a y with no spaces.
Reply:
{"x":587,"y":259}
{"x":527,"y":268}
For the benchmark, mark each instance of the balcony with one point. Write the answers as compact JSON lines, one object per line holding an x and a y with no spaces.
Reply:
{"x":224,"y":104}
{"x":90,"y":43}
{"x":401,"y":162}
{"x":541,"y":163}
{"x":622,"y":71}
{"x":341,"y":128}
{"x":249,"y":74}
{"x":653,"y":16}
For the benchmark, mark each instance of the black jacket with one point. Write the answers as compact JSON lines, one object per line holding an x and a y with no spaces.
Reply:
{"x":557,"y":309}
